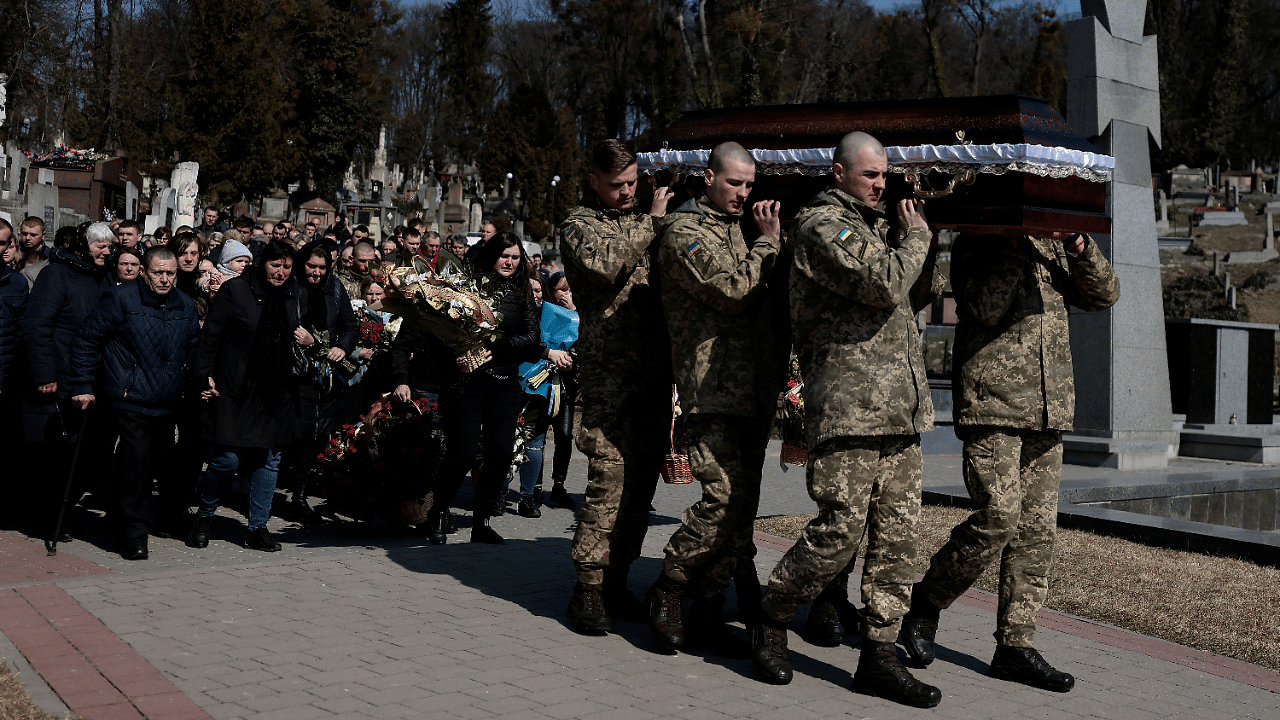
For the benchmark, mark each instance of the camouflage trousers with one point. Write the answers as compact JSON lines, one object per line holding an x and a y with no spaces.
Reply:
{"x":717,"y":534}
{"x":870,"y":482}
{"x":1012,"y":477}
{"x":626,"y":418}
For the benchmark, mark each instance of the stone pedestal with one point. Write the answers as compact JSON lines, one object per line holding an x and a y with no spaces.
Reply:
{"x":1123,"y":414}
{"x":1221,"y":372}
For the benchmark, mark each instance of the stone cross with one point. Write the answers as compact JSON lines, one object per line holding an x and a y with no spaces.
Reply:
{"x":1123,"y":409}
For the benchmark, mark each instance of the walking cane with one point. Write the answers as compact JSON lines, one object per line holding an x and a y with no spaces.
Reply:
{"x":52,"y":544}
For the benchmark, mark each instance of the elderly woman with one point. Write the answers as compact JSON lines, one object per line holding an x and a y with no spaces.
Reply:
{"x":125,"y":266}
{"x":488,"y":396}
{"x":63,"y":294}
{"x":246,"y":356}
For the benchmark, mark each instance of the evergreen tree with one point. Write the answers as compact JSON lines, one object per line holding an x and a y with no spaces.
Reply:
{"x":468,"y":89}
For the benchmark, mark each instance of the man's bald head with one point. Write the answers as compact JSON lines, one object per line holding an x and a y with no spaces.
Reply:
{"x":726,"y":153}
{"x":852,"y":145}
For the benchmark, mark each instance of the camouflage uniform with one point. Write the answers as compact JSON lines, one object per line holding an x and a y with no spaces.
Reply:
{"x":718,"y":315}
{"x":854,"y":298}
{"x":625,"y":382}
{"x":1014,"y":395}
{"x":351,"y":281}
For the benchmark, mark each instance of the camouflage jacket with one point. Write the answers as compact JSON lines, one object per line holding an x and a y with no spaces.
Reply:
{"x":607,"y":260}
{"x":717,"y":312}
{"x":854,"y":299}
{"x":1013,"y":351}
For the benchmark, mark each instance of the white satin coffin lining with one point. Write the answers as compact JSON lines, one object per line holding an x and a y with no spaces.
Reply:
{"x":1043,"y":160}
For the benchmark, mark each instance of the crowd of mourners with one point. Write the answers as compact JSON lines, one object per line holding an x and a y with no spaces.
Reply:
{"x":160,"y":372}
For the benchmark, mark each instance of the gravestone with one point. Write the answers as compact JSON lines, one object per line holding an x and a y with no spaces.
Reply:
{"x":1162,"y":225}
{"x":1123,"y":414}
{"x":184,"y":181}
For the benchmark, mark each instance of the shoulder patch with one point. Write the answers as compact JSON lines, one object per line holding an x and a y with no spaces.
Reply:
{"x":844,"y":234}
{"x":570,"y":231}
{"x":700,"y":258}
{"x":855,"y":243}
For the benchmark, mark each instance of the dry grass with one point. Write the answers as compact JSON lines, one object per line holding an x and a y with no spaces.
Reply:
{"x":1223,"y":605}
{"x":15,"y":703}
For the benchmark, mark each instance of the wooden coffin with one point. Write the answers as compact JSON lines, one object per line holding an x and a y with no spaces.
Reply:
{"x":1026,"y":201}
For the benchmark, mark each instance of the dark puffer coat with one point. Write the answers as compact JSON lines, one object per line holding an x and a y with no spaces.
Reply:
{"x":520,"y":331}
{"x":224,"y":353}
{"x":142,"y":341}
{"x":13,"y":299}
{"x":65,"y":292}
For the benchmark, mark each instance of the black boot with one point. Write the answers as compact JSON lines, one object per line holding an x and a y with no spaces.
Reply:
{"x":302,"y":511}
{"x":199,"y":537}
{"x":769,"y":650}
{"x":500,"y":507}
{"x":823,"y":624}
{"x":261,"y":539}
{"x":559,"y":497}
{"x":1026,"y":666}
{"x":920,"y":626}
{"x":482,"y":533}
{"x":746,"y":584}
{"x":450,"y":524}
{"x":618,"y":601}
{"x":665,"y":612}
{"x":706,"y":630}
{"x":881,"y":674}
{"x":135,"y":548}
{"x":586,"y":609}
{"x":435,"y":527}
{"x":537,"y":496}
{"x":526,"y":509}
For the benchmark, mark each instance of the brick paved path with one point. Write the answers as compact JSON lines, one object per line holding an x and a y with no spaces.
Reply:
{"x":356,"y":624}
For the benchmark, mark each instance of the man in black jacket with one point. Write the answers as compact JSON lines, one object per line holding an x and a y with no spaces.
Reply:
{"x":143,"y":331}
{"x":13,"y":298}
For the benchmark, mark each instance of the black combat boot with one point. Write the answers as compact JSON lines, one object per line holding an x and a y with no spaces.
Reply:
{"x":586,"y":609}
{"x":706,"y":630}
{"x":663,"y":601}
{"x":526,"y":509}
{"x":920,"y":626}
{"x":436,"y":527}
{"x":881,"y":674}
{"x":1026,"y":666}
{"x":135,"y":548}
{"x":450,"y":524}
{"x":769,"y":650}
{"x":302,"y":511}
{"x":199,"y":537}
{"x":559,"y":497}
{"x":618,"y":601}
{"x":823,"y":625}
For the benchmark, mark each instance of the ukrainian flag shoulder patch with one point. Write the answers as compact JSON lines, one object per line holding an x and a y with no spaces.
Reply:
{"x":843,"y":234}
{"x":693,"y":247}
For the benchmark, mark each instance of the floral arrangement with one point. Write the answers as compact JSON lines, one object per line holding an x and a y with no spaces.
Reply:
{"x":68,"y":157}
{"x":450,"y":304}
{"x":790,"y":419}
{"x":386,"y":459}
{"x":375,"y":334}
{"x":327,"y":371}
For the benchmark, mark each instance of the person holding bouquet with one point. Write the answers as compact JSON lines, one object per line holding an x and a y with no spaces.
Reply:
{"x":551,"y":390}
{"x":489,"y":395}
{"x":328,"y":336}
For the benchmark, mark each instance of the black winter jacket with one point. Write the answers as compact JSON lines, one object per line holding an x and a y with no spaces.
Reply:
{"x":224,"y":353}
{"x":344,"y":328}
{"x":64,"y":293}
{"x":520,"y":333}
{"x":421,"y":361}
{"x":13,"y":299}
{"x":142,"y":342}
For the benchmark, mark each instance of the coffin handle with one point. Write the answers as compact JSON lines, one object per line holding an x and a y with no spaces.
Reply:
{"x":966,"y":176}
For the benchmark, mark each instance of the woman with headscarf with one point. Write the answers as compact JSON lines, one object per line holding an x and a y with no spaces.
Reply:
{"x":325,"y":308}
{"x":246,"y":356}
{"x":489,"y":396}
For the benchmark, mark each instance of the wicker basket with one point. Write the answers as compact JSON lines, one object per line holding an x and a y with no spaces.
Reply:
{"x":792,"y":455}
{"x":411,"y":512}
{"x":675,"y":469}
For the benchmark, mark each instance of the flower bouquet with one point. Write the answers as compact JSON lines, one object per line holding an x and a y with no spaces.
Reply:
{"x":790,"y":420}
{"x":450,"y":304}
{"x":384,"y":463}
{"x":326,"y":370}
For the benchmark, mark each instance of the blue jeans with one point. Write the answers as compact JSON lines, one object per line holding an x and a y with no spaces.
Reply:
{"x":260,"y":463}
{"x":531,"y":469}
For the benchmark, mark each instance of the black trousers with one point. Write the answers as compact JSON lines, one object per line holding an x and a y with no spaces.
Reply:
{"x":481,"y":401}
{"x":145,"y":452}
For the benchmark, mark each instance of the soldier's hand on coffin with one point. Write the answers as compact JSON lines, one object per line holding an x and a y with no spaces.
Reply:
{"x":661,"y":196}
{"x":911,"y":214}
{"x":765,"y":213}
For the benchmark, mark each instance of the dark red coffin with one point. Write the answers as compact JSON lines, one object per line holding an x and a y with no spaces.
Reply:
{"x":1023,"y":200}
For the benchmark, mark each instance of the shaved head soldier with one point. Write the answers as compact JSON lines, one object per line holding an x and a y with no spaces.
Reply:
{"x":625,"y":382}
{"x":719,"y":318}
{"x":854,"y":298}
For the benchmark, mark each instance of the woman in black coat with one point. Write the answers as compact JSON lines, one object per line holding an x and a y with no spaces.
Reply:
{"x":490,"y":396}
{"x":324,"y":307}
{"x":245,"y":354}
